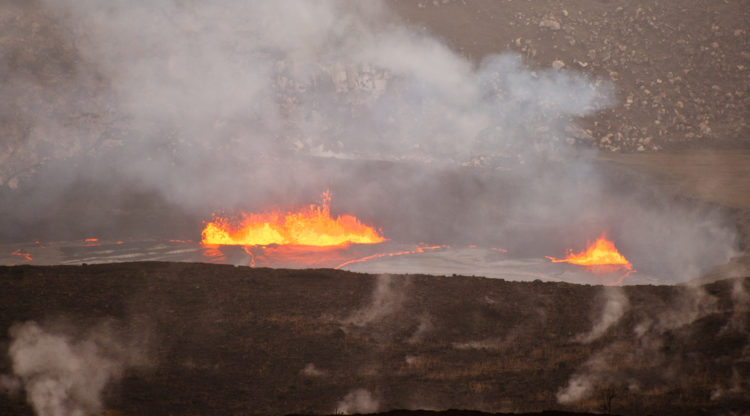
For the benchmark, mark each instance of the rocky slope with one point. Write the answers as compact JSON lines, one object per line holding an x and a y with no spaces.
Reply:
{"x":681,"y":71}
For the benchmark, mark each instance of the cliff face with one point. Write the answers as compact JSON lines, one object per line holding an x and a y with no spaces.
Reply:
{"x":194,"y":338}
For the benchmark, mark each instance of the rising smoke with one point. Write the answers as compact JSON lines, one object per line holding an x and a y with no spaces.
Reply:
{"x":64,"y":371}
{"x":231,"y":104}
{"x":615,"y":305}
{"x":357,"y":401}
{"x":387,"y":298}
{"x":644,"y":362}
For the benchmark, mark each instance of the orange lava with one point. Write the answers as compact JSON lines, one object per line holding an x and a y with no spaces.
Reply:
{"x":601,"y":253}
{"x":397,"y":253}
{"x":312,"y":226}
{"x":294,"y":256}
{"x":214,"y":255}
{"x":26,"y":256}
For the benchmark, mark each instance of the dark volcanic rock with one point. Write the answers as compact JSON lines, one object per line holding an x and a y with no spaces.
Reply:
{"x":224,"y":339}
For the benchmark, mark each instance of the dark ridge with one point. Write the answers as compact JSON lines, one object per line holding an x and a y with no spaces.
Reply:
{"x":238,"y":340}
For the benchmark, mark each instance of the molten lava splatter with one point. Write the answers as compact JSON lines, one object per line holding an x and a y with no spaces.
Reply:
{"x":313,"y":226}
{"x":26,"y":256}
{"x":393,"y":254}
{"x":292,"y":256}
{"x":91,"y":242}
{"x":602,"y":252}
{"x":600,"y":257}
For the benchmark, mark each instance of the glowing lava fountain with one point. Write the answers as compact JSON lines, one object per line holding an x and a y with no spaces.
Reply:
{"x":312,"y":226}
{"x":601,"y":256}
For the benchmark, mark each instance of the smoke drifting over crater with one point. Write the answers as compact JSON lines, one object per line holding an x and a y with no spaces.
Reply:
{"x":190,"y":107}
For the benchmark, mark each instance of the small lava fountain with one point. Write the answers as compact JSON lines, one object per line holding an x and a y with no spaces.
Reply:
{"x":312,"y":226}
{"x":600,"y":257}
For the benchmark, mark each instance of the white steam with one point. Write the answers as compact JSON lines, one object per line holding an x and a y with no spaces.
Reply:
{"x":387,"y":298}
{"x":311,"y":370}
{"x":325,"y":76}
{"x":599,"y":371}
{"x":640,"y":360}
{"x":579,"y":386}
{"x":615,"y":306}
{"x":233,"y":104}
{"x":64,"y":374}
{"x":189,"y":85}
{"x":358,"y":401}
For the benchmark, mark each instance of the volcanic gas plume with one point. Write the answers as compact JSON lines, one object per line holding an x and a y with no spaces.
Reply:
{"x":151,"y":115}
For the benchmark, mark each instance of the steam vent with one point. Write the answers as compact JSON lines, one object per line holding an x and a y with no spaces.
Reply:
{"x":381,"y":207}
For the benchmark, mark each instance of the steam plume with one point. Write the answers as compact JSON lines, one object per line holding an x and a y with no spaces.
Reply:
{"x":641,"y":361}
{"x":357,"y":401}
{"x":202,"y":106}
{"x":64,"y":375}
{"x":388,"y":296}
{"x":615,"y":306}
